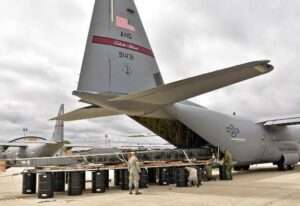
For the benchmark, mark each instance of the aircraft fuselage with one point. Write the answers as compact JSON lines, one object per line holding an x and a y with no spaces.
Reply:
{"x":32,"y":150}
{"x":249,"y":143}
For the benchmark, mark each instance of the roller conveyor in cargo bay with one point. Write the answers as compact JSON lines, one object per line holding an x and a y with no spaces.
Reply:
{"x":147,"y":159}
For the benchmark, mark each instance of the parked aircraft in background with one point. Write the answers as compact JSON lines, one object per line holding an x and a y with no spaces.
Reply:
{"x":120,"y":76}
{"x":32,"y":146}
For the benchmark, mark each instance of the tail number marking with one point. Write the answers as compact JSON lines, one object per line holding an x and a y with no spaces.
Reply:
{"x":126,"y":55}
{"x":126,"y":35}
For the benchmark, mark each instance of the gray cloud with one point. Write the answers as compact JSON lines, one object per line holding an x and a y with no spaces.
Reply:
{"x":42,"y":45}
{"x":214,"y":34}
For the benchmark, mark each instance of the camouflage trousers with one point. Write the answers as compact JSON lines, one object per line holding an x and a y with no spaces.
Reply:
{"x":193,"y":181}
{"x":134,"y":181}
{"x":228,"y":172}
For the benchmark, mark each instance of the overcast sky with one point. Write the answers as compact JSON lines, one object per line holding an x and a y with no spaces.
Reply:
{"x":42,"y":45}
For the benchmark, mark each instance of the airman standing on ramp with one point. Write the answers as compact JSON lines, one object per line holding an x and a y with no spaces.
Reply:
{"x":134,"y":173}
{"x":228,"y":163}
{"x":193,"y":176}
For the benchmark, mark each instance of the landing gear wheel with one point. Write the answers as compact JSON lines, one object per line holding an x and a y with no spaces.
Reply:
{"x":291,"y":167}
{"x":237,"y":168}
{"x":285,"y":167}
{"x":246,"y":168}
{"x":240,"y":168}
{"x":282,"y":167}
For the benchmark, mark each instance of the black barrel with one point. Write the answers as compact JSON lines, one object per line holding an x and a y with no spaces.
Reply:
{"x":144,"y":178}
{"x":152,"y":175}
{"x":124,"y":179}
{"x":181,"y":177}
{"x":83,"y":180}
{"x":67,"y":177}
{"x":172,"y":175}
{"x":163,"y":176}
{"x":75,"y":183}
{"x":222,"y":173}
{"x":29,"y":183}
{"x":59,"y":179}
{"x":199,"y":174}
{"x":106,"y":173}
{"x":99,"y":179}
{"x":117,"y":174}
{"x":46,"y":189}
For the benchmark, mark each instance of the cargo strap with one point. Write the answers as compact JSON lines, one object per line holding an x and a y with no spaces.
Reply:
{"x":121,"y":157}
{"x":186,"y":156}
{"x":112,"y":158}
{"x":85,"y":160}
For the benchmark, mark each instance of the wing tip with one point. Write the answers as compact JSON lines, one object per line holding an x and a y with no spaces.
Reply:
{"x":264,"y":66}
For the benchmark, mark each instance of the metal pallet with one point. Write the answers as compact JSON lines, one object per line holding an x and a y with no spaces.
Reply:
{"x":114,"y":158}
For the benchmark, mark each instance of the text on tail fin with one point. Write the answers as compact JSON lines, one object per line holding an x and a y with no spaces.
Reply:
{"x":118,"y":57}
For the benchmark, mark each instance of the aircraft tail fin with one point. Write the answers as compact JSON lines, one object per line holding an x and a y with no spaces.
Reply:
{"x":118,"y":58}
{"x":58,"y":134}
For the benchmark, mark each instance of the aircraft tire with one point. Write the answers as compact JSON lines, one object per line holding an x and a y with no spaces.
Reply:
{"x":291,"y":167}
{"x":281,"y":167}
{"x":246,"y":167}
{"x":240,"y":168}
{"x":285,"y":167}
{"x":237,"y":168}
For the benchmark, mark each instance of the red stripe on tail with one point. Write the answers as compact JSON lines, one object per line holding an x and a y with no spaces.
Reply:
{"x":122,"y":44}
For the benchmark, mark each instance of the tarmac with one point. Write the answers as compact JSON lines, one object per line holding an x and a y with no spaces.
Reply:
{"x":260,"y":186}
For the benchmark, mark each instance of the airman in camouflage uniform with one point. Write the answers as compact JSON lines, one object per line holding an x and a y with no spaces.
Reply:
{"x":228,"y":163}
{"x":193,"y":176}
{"x":134,"y":173}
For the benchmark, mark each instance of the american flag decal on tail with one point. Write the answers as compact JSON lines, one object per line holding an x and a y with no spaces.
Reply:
{"x":123,"y":23}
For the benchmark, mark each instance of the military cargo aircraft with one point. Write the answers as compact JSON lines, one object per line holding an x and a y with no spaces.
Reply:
{"x":31,"y":146}
{"x":120,"y":75}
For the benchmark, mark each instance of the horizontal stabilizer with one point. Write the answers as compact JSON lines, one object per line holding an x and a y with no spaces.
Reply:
{"x":149,"y":101}
{"x":191,"y":87}
{"x":86,"y":113}
{"x":281,"y":121}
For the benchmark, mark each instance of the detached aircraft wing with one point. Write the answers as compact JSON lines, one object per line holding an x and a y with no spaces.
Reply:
{"x":281,"y":121}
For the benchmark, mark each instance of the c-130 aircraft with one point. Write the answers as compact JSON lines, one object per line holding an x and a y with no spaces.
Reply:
{"x":120,"y":75}
{"x":32,"y":146}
